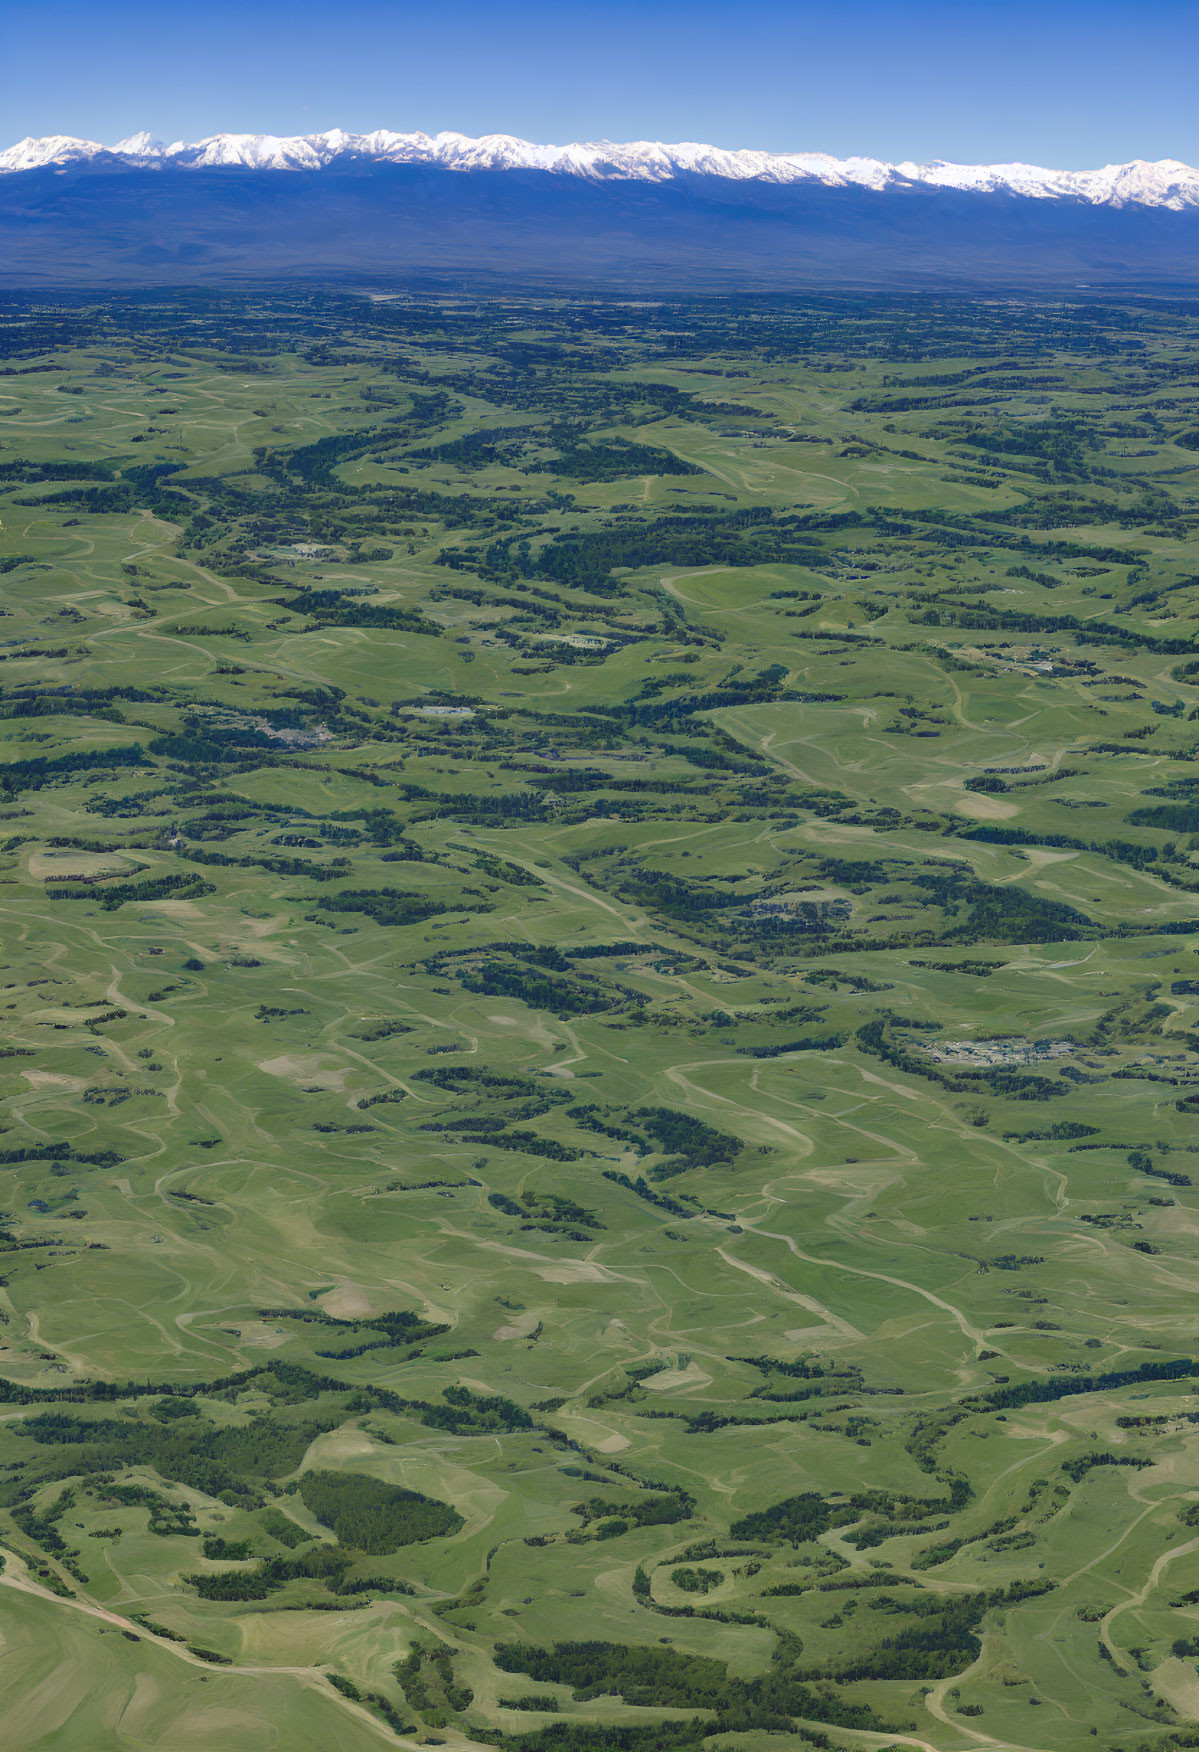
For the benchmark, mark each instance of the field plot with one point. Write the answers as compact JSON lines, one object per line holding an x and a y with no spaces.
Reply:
{"x":600,"y":1127}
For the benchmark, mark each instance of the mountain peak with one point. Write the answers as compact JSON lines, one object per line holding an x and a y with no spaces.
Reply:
{"x":1168,"y":182}
{"x":142,"y":145}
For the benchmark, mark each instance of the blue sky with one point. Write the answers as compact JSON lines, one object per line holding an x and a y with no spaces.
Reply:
{"x":1059,"y":83}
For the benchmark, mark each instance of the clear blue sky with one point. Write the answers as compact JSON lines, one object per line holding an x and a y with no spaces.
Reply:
{"x":1058,"y":83}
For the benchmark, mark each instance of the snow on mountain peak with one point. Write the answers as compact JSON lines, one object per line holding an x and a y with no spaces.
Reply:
{"x":30,"y":154}
{"x":1165,"y":183}
{"x":141,"y":145}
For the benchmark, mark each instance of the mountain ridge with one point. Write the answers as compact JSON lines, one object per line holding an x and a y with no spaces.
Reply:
{"x":1164,"y":183}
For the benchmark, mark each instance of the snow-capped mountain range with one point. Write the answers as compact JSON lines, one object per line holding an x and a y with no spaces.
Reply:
{"x":1166,"y":183}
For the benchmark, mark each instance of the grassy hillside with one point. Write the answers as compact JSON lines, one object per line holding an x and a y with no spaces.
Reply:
{"x":713,"y":1258}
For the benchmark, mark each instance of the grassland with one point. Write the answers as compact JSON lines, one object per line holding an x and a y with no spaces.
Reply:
{"x":712,"y":1262}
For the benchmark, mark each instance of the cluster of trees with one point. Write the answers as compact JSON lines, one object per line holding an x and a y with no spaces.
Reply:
{"x":806,"y":1516}
{"x":1066,"y":1386}
{"x":981,"y":617}
{"x":232,"y":1463}
{"x":539,"y":989}
{"x":312,"y":465}
{"x":466,"y":1079}
{"x":588,"y":560}
{"x":658,"y":1508}
{"x":1144,"y":1164}
{"x":614,"y":459}
{"x":549,"y":1211}
{"x":491,"y":1129}
{"x":174,"y":886}
{"x":335,"y":870}
{"x":943,"y":1639}
{"x":374,"y":1517}
{"x":39,"y":770}
{"x":72,"y":469}
{"x":688,"y":1142}
{"x":660,"y":1678}
{"x":390,"y":906}
{"x":670,"y":1678}
{"x":696,"y":1580}
{"x":61,"y":1153}
{"x":662,"y":1200}
{"x":427,"y":1677}
{"x":1083,"y":1463}
{"x":211,"y":746}
{"x":325,"y":1564}
{"x":334,"y":608}
{"x":464,"y":1412}
{"x":376,"y":1700}
{"x":82,"y":702}
{"x":806,"y":1043}
{"x":795,"y":1520}
{"x":378,"y":1332}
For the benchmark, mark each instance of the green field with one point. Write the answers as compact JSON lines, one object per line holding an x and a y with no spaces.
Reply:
{"x":601,"y":1071}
